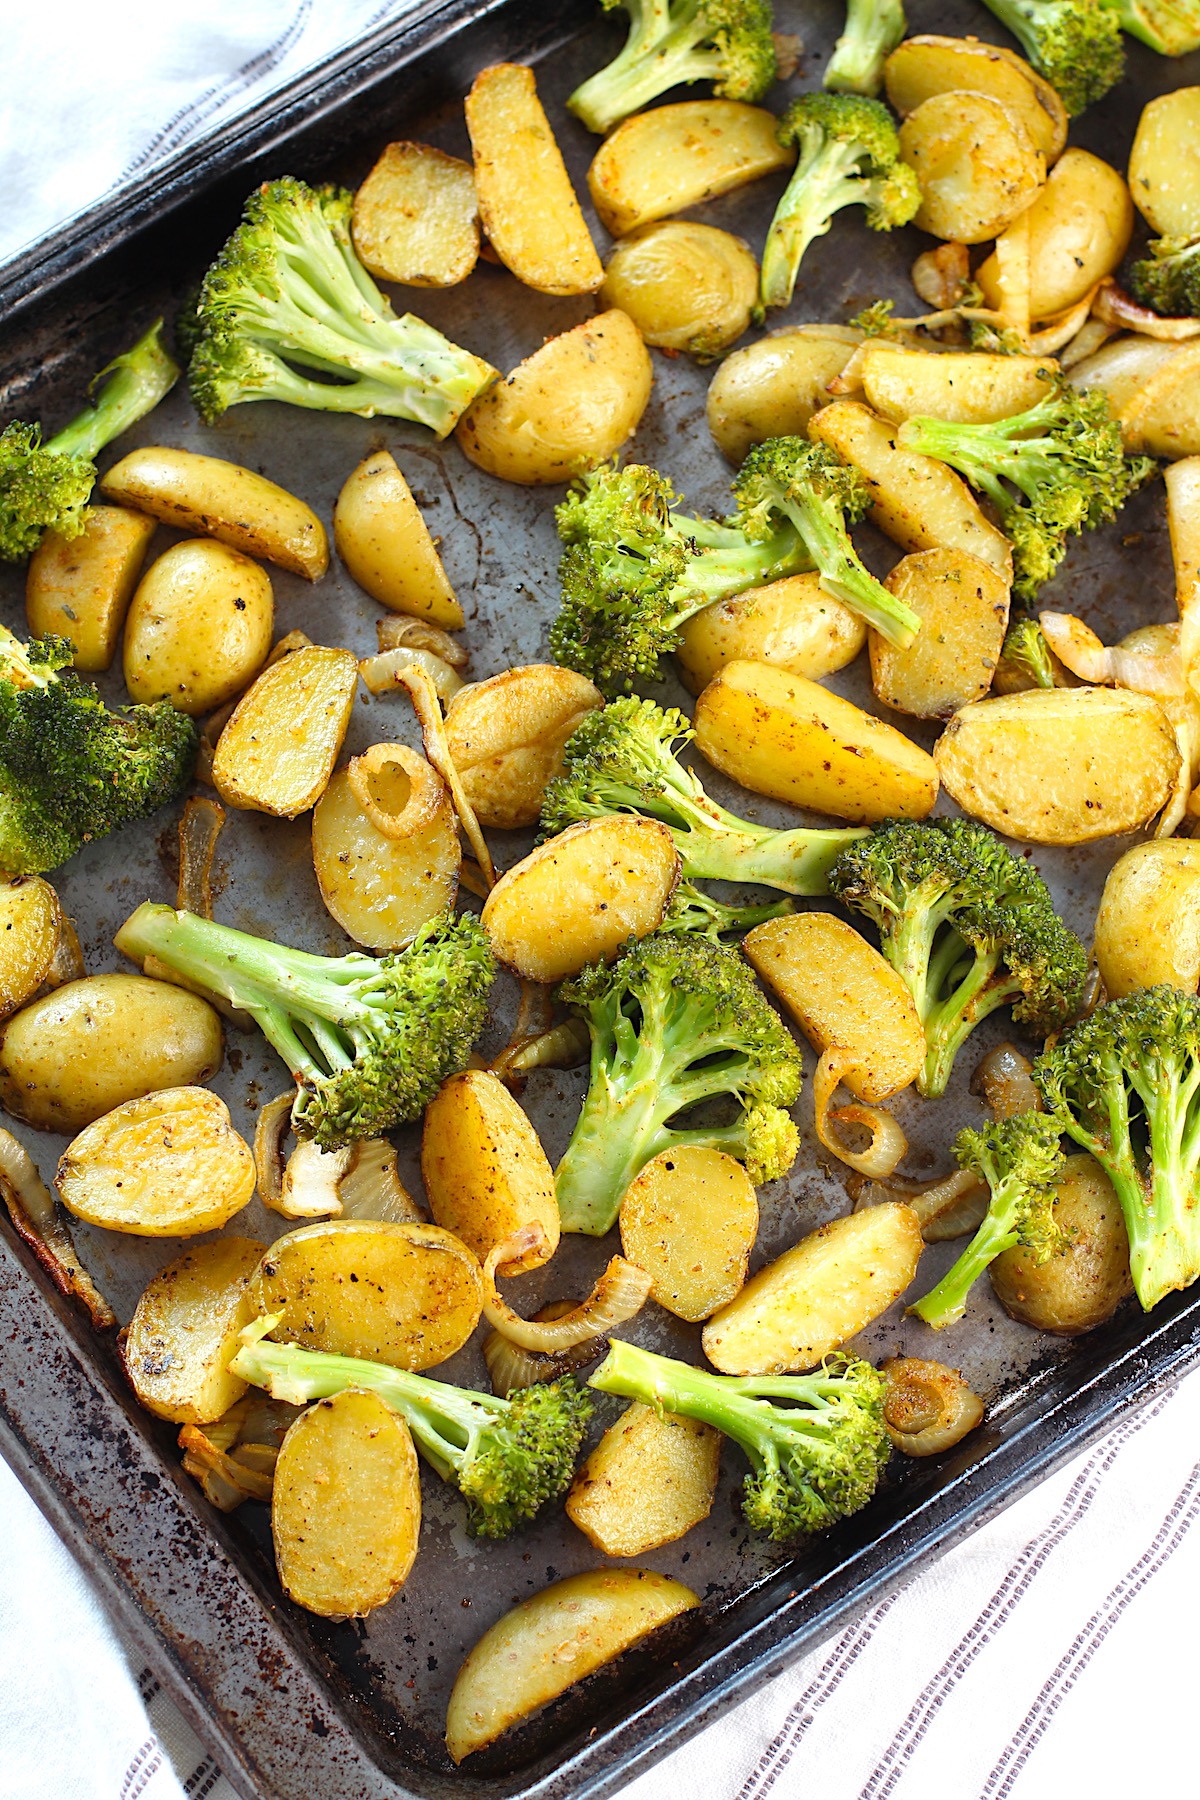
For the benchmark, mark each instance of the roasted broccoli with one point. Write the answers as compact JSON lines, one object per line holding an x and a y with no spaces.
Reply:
{"x":369,"y":1040}
{"x":70,"y":770}
{"x":727,"y":42}
{"x":1076,"y":44}
{"x":812,"y":1462}
{"x":1172,"y":27}
{"x":1019,"y":1159}
{"x":1027,"y":653}
{"x":622,"y":759}
{"x":1125,"y":1083}
{"x":46,"y":486}
{"x":969,"y":926}
{"x":849,"y":156}
{"x":696,"y":913}
{"x":873,"y":29}
{"x":788,"y":481}
{"x":1065,"y":459}
{"x":635,"y":569}
{"x":289,"y":289}
{"x":677,"y":1019}
{"x":507,"y":1458}
{"x":1168,"y":280}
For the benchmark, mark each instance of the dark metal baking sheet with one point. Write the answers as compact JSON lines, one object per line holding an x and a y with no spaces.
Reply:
{"x":295,"y":1706}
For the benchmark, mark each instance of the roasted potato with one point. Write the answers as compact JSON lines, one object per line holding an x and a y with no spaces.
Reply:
{"x":651,"y":1478}
{"x":924,"y":66}
{"x":689,"y":1220}
{"x":484,"y":1168}
{"x":409,"y":1295}
{"x":963,"y":607}
{"x":168,"y":1164}
{"x":1122,"y":368}
{"x":278,"y":751}
{"x":791,"y":739}
{"x":33,"y":937}
{"x":662,"y":161}
{"x":929,"y":1408}
{"x":971,"y":387}
{"x":1081,"y":1288}
{"x":75,"y":1054}
{"x":199,"y":627}
{"x":1060,"y":765}
{"x":416,"y":217}
{"x":79,"y":588}
{"x":1182,"y":482}
{"x":1164,"y":164}
{"x":507,"y":736}
{"x":346,"y":1505}
{"x":385,"y":543}
{"x":1148,"y":925}
{"x":184,"y":1332}
{"x":977,"y":165}
{"x":221,"y":500}
{"x":773,"y":387}
{"x":550,"y":1641}
{"x":1162,"y":416}
{"x":382,"y":885}
{"x":791,"y":624}
{"x":1079,"y":229}
{"x":580,"y":897}
{"x":817,"y":1295}
{"x":686,"y":286}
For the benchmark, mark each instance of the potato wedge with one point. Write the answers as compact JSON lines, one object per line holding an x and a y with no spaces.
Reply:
{"x":168,"y":1164}
{"x":409,"y":1295}
{"x":278,"y":751}
{"x":184,"y":1332}
{"x":1079,"y":229}
{"x":380,"y":887}
{"x":1121,"y":369}
{"x":924,"y":66}
{"x":220,"y":499}
{"x":416,"y":217}
{"x":385,"y":543}
{"x":791,"y":739}
{"x":567,"y":408}
{"x":963,"y":607}
{"x":1162,"y":417}
{"x":773,"y":387}
{"x":791,"y":624}
{"x":79,"y":588}
{"x":971,"y":388}
{"x":686,"y":286}
{"x":1182,"y":482}
{"x":689,"y":1219}
{"x":484,"y":1168}
{"x":651,"y":1478}
{"x":526,"y":201}
{"x":32,"y":928}
{"x":977,"y":165}
{"x":507,"y":736}
{"x":199,"y":627}
{"x":75,"y":1054}
{"x":817,"y":1295}
{"x":346,"y":1506}
{"x":1106,"y":761}
{"x":840,"y":990}
{"x":1083,"y":1287}
{"x":550,"y":1641}
{"x":1164,"y":164}
{"x":1148,"y":924}
{"x":662,"y":161}
{"x":580,"y":897}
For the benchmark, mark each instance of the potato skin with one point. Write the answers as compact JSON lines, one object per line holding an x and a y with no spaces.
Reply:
{"x":773,"y":387}
{"x":484,"y":1168}
{"x":278,"y":750}
{"x":80,"y":588}
{"x":1148,"y":924}
{"x":184,"y":1331}
{"x":31,"y":927}
{"x":1080,"y":225}
{"x":507,"y":735}
{"x":791,"y":624}
{"x":199,"y":627}
{"x":168,"y":1164}
{"x":686,"y":286}
{"x":963,"y":605}
{"x":649,"y":1480}
{"x":385,"y":543}
{"x":1083,"y":1287}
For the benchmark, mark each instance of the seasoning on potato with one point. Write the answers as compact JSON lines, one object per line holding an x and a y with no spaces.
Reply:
{"x":686,"y":286}
{"x":386,"y":545}
{"x":664,"y":160}
{"x":1148,"y":924}
{"x":929,"y":1408}
{"x":962,"y":604}
{"x":650,"y":1479}
{"x":79,"y":588}
{"x":484,"y":1169}
{"x":926,"y":65}
{"x":32,"y":934}
{"x":773,"y":387}
{"x":506,"y":738}
{"x":970,"y":387}
{"x":277,"y":752}
{"x":168,"y":1164}
{"x":199,"y":627}
{"x":1079,"y":228}
{"x":977,"y":165}
{"x":1164,"y":164}
{"x":791,"y":624}
{"x":1081,"y":1288}
{"x":689,"y":1219}
{"x":416,"y":217}
{"x":184,"y":1331}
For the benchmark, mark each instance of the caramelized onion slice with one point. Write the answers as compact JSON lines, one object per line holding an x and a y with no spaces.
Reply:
{"x":199,"y":830}
{"x":67,"y":962}
{"x":292,"y":640}
{"x":928,"y":1406}
{"x":564,"y":1046}
{"x":309,"y":1189}
{"x":1114,"y":306}
{"x":371,"y":1187}
{"x":950,"y":1207}
{"x":617,"y":1297}
{"x":37,"y":1223}
{"x":384,"y":673}
{"x":437,"y":749}
{"x":224,"y":1481}
{"x":510,"y":1367}
{"x":888,"y":1143}
{"x":396,"y":631}
{"x":270,"y":1129}
{"x":1004,"y":1079}
{"x":419,"y":791}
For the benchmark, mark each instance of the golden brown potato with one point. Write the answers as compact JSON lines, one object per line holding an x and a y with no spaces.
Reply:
{"x":1162,"y":417}
{"x":773,"y":387}
{"x":507,"y":736}
{"x":1164,"y":165}
{"x":1182,"y":482}
{"x":168,"y":1164}
{"x":410,"y":1295}
{"x":1121,"y":368}
{"x":79,"y":588}
{"x":1106,"y":760}
{"x":1148,"y":925}
{"x":1079,"y":229}
{"x":199,"y":627}
{"x":278,"y":751}
{"x":929,"y":1408}
{"x":346,"y":1506}
{"x":651,"y":1478}
{"x":32,"y":933}
{"x":791,"y":624}
{"x":685,"y":286}
{"x":222,"y":500}
{"x":977,"y":165}
{"x":385,"y":543}
{"x":567,"y":408}
{"x":791,"y":739}
{"x":580,"y":897}
{"x":185,"y":1328}
{"x":484,"y":1169}
{"x":382,"y":885}
{"x":924,"y":66}
{"x":689,"y":1219}
{"x":550,"y":1641}
{"x":969,"y":387}
{"x":526,"y":201}
{"x":840,"y":990}
{"x":75,"y":1054}
{"x":416,"y":217}
{"x":963,"y":607}
{"x":817,"y":1295}
{"x":1083,"y":1287}
{"x":662,"y":161}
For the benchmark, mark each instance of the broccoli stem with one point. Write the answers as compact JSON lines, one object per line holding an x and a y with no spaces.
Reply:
{"x":820,"y":186}
{"x":827,"y":541}
{"x":946,"y":1302}
{"x":873,"y":30}
{"x":133,"y":385}
{"x":949,"y":1023}
{"x":654,"y":58}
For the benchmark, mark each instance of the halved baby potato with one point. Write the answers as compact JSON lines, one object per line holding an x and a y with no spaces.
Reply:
{"x":1162,"y":417}
{"x":32,"y":930}
{"x":184,"y":1332}
{"x":79,"y":588}
{"x":1081,"y":1288}
{"x":1079,"y":229}
{"x":199,"y":627}
{"x":1148,"y":923}
{"x":1122,"y":368}
{"x":686,"y":286}
{"x":386,"y":545}
{"x":977,"y":165}
{"x":773,"y":387}
{"x":507,"y":735}
{"x":386,"y":868}
{"x":689,"y":1220}
{"x":278,"y":751}
{"x":791,"y":624}
{"x":1164,"y":164}
{"x":664,"y":160}
{"x":971,"y":387}
{"x":926,"y":65}
{"x":962,"y":603}
{"x":416,"y":217}
{"x":650,"y":1479}
{"x":484,"y":1169}
{"x":167,"y":1165}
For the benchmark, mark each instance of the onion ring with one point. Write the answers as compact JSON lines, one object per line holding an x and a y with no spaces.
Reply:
{"x":617,"y":1297}
{"x":888,"y":1143}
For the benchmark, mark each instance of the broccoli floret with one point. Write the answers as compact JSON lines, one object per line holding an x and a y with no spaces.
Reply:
{"x":1027,"y":653}
{"x":635,"y":570}
{"x":1076,"y":44}
{"x":507,"y":1458}
{"x":1172,"y":27}
{"x":873,"y":29}
{"x":1019,"y":1158}
{"x":968,"y":926}
{"x":46,"y":486}
{"x":622,"y":759}
{"x":849,"y":156}
{"x":1168,"y":280}
{"x":812,"y":1462}
{"x":369,"y":1040}
{"x":1125,"y":1083}
{"x":1065,"y":459}
{"x":727,"y":42}
{"x":677,"y":1019}
{"x":695,"y":912}
{"x":787,"y":480}
{"x":288,"y":288}
{"x":876,"y":320}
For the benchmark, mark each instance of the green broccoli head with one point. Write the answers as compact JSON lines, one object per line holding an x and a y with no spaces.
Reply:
{"x":726,"y":42}
{"x":1168,"y":280}
{"x":1026,"y":651}
{"x":1075,"y":44}
{"x":524,"y":1457}
{"x":873,"y":30}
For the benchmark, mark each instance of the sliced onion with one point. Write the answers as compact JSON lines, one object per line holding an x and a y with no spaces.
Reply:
{"x":789,"y":48}
{"x":1184,"y":715}
{"x":510,"y":1367}
{"x":270,"y":1130}
{"x":1091,"y":336}
{"x":928,"y":1407}
{"x":199,"y":830}
{"x":371,"y":1187}
{"x":564,"y":1046}
{"x":888,"y":1143}
{"x":309,"y":1189}
{"x":1115,"y":307}
{"x":437,"y":749}
{"x":1004,"y":1078}
{"x":849,"y":379}
{"x":533,"y":1020}
{"x":67,"y":962}
{"x":940,"y":275}
{"x":1053,"y":333}
{"x":397,"y":631}
{"x":424,"y":790}
{"x":470,"y":876}
{"x":224,"y":1483}
{"x":1077,"y":647}
{"x":292,"y":640}
{"x":37,"y":1222}
{"x":384,"y":673}
{"x":617,"y":1297}
{"x":950,"y":1207}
